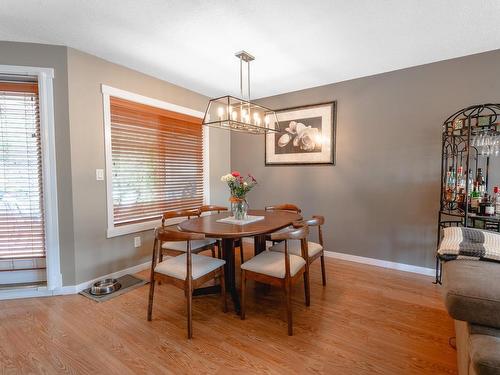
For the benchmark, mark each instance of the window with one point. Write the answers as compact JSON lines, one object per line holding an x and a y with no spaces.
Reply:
{"x":155,"y":163}
{"x":22,"y":224}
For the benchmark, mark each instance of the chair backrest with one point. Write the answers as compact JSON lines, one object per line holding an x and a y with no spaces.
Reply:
{"x":169,"y":235}
{"x":284,"y":207}
{"x":315,"y":221}
{"x":179,"y":213}
{"x":299,"y":233}
{"x":212,"y":208}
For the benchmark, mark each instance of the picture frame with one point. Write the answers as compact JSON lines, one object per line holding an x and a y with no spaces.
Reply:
{"x":306,"y":137}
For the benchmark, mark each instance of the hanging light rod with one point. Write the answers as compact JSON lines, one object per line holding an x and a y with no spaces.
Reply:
{"x":238,"y":114}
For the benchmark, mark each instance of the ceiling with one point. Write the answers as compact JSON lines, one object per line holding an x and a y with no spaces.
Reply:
{"x":297,"y":43}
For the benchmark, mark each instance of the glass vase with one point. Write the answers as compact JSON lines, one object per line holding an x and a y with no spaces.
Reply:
{"x":239,"y":208}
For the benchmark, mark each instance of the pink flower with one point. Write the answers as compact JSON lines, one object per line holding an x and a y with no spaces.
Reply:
{"x":236,"y":174}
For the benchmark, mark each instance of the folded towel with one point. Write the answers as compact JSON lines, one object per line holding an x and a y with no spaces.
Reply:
{"x":469,"y":243}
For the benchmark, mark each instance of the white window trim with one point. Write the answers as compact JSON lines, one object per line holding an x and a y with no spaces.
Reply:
{"x":47,"y":131}
{"x":107,"y":92}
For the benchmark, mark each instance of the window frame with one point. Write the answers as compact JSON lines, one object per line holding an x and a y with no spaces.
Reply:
{"x":45,"y":78}
{"x":107,"y":92}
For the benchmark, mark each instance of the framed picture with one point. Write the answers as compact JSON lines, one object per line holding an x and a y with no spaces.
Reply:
{"x":306,"y":136}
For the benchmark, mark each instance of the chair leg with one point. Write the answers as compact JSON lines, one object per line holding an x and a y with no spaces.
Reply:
{"x":160,"y":259}
{"x":242,"y":254}
{"x":223,"y":290}
{"x":190,"y":313}
{"x":219,"y":249}
{"x":243,"y":294}
{"x":323,"y":271}
{"x":307,"y":289}
{"x":151,"y":295}
{"x":288,"y":297}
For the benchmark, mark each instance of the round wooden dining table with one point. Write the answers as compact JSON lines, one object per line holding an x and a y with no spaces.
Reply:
{"x":228,"y":233}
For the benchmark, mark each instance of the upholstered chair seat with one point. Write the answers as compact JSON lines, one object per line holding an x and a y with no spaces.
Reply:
{"x":294,"y":247}
{"x":176,"y":266}
{"x":272,"y":263}
{"x":195,"y":245}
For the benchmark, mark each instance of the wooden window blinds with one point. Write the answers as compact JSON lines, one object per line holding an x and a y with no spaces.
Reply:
{"x":157,"y":161}
{"x":22,"y":229}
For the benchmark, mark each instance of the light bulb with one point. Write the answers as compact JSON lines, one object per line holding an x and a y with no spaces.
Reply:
{"x":220,"y":112}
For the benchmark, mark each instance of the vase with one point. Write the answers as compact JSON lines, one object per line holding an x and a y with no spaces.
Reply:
{"x":239,"y":208}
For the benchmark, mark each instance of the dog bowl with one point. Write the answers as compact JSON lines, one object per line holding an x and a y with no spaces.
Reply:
{"x":105,"y":286}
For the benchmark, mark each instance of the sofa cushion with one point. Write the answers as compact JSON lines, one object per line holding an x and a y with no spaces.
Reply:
{"x":472,"y":291}
{"x":485,"y":350}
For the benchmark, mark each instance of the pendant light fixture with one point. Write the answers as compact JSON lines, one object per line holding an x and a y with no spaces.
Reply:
{"x":231,"y":113}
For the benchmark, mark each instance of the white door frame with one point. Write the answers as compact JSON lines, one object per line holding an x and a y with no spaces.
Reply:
{"x":47,"y":131}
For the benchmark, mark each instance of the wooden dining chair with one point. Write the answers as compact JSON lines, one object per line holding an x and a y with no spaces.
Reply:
{"x":187,"y":271}
{"x":237,"y":243}
{"x":176,"y":248}
{"x":280,"y":269}
{"x":315,"y":249}
{"x":282,"y":207}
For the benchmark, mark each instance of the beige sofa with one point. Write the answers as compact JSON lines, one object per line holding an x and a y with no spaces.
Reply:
{"x":472,"y":297}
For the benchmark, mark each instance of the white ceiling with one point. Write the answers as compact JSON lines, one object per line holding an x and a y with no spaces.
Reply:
{"x":297,"y":43}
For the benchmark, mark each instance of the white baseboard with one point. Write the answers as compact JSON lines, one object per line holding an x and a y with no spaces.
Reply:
{"x":381,"y":263}
{"x":373,"y":262}
{"x":69,"y":289}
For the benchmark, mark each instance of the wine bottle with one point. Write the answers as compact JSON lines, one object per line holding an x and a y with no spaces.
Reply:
{"x":471,"y":182}
{"x":481,"y":184}
{"x":496,"y":199}
{"x":486,"y":207}
{"x":475,"y":197}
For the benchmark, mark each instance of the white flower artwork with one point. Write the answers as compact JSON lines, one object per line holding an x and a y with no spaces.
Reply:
{"x":306,"y":135}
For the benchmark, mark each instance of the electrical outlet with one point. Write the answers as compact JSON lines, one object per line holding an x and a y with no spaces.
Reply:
{"x":137,"y":241}
{"x":99,"y":174}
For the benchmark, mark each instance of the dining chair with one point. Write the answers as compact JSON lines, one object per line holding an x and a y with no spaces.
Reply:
{"x":175,"y":248}
{"x":282,"y":207}
{"x":279,"y":269}
{"x":315,"y":249}
{"x":187,"y":271}
{"x":237,"y":243}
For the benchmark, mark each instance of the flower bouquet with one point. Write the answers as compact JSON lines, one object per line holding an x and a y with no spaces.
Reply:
{"x":239,"y":187}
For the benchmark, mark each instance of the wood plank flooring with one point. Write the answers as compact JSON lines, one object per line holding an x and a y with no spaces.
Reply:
{"x":367,"y":320}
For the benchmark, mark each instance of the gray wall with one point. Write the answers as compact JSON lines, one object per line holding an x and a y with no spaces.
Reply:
{"x":96,"y":255}
{"x":381,"y":199}
{"x":86,"y":253}
{"x":37,"y":55}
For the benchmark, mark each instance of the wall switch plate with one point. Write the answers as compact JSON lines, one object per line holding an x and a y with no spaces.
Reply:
{"x":99,"y":174}
{"x":137,"y":241}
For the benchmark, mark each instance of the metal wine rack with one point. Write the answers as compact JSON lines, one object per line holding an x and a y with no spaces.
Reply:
{"x":458,"y":151}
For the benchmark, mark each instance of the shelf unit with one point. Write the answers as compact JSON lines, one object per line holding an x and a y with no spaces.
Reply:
{"x":458,"y":131}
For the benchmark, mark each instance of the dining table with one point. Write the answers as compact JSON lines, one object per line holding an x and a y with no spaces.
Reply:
{"x":228,"y":233}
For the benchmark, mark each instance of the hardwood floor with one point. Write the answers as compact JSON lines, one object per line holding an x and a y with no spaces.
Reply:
{"x":367,"y":320}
